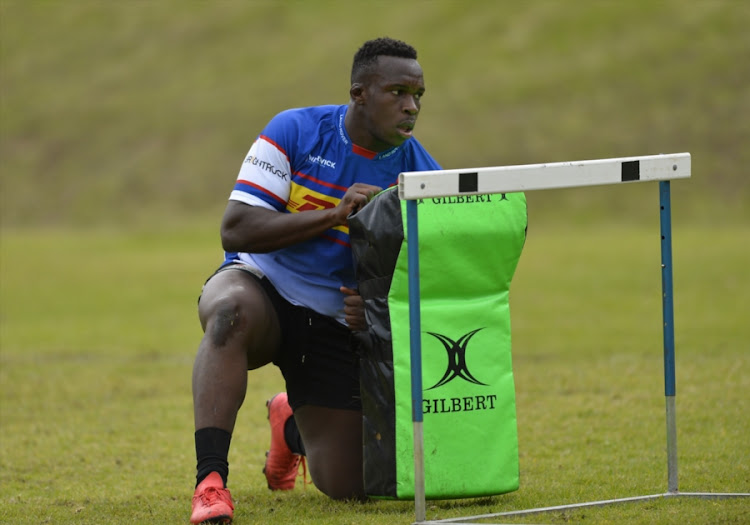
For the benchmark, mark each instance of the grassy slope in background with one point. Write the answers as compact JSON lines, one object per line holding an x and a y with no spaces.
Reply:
{"x":138,"y":112}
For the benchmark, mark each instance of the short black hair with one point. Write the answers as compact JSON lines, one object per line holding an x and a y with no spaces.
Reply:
{"x":367,"y":55}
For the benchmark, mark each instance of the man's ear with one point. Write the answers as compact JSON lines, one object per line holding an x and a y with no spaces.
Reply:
{"x":358,"y":93}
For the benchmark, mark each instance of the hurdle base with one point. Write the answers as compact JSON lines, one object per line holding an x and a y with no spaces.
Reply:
{"x":540,"y":510}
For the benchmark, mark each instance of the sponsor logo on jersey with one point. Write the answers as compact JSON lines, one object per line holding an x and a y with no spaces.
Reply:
{"x":321,"y":161}
{"x":302,"y":198}
{"x":267,"y":166}
{"x":389,"y":153}
{"x":342,"y":134}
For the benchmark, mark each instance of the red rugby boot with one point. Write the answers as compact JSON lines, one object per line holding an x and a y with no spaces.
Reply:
{"x":212,"y":502}
{"x":282,"y":465}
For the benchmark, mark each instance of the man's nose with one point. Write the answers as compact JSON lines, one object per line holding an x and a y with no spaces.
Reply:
{"x":412,"y":105}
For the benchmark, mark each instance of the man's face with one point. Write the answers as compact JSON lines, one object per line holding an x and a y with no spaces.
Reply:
{"x":392,"y":100}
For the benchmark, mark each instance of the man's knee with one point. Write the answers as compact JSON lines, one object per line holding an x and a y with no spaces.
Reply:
{"x":227,"y":318}
{"x":338,"y":483}
{"x":237,"y":315}
{"x":333,"y":443}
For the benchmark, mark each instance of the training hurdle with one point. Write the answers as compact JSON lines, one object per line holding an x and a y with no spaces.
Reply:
{"x":413,"y":186}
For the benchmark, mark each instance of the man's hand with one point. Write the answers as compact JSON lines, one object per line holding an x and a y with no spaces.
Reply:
{"x":355,"y":198}
{"x":354,"y":309}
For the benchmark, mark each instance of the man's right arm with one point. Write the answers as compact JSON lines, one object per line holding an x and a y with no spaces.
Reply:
{"x":255,"y":229}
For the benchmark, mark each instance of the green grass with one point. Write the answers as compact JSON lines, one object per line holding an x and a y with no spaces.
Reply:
{"x":123,"y":125}
{"x":99,"y":330}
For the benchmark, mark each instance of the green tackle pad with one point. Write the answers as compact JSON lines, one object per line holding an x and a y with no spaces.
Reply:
{"x":469,"y":247}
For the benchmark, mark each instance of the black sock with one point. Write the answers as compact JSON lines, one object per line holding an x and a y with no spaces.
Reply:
{"x":212,"y":451}
{"x":292,"y":437}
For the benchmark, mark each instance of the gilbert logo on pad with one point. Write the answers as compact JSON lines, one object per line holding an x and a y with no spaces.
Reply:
{"x":456,"y":359}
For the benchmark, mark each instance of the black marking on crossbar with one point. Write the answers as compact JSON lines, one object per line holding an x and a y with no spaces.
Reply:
{"x":467,"y":182}
{"x":631,"y":170}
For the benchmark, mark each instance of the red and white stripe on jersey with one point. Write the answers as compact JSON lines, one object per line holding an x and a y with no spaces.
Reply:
{"x":265,"y":176}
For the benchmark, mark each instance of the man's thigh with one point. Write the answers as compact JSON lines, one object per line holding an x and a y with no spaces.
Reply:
{"x":321,"y":368}
{"x":319,"y":361}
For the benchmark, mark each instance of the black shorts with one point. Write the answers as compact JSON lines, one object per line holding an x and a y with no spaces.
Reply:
{"x":318,"y":356}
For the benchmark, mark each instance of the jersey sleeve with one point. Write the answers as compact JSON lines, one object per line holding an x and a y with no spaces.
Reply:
{"x":265,"y":176}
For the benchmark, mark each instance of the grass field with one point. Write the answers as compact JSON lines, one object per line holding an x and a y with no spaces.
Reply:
{"x":99,"y":330}
{"x":123,"y":124}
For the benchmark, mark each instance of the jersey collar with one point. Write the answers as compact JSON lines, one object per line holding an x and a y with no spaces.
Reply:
{"x":359,"y":150}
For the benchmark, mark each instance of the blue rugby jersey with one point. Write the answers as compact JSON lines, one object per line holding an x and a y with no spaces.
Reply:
{"x":304,"y":160}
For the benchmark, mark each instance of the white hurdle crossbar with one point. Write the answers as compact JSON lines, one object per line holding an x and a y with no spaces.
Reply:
{"x":507,"y":179}
{"x":416,"y":185}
